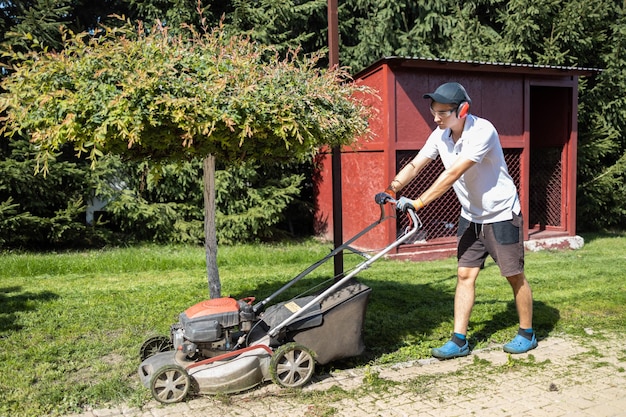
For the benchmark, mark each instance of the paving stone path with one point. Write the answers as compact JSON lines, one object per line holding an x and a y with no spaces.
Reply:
{"x":562,"y":377}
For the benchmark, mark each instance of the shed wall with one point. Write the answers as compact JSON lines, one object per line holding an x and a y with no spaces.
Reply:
{"x":403,"y":122}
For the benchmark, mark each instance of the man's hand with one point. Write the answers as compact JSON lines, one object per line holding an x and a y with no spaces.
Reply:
{"x":404,"y":204}
{"x":382,"y":198}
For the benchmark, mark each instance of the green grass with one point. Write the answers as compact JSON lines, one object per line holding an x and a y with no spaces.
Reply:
{"x":71,"y":324}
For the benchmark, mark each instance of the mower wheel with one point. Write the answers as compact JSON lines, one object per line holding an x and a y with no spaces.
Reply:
{"x":170,"y":384}
{"x":292,"y":366}
{"x":154,"y":345}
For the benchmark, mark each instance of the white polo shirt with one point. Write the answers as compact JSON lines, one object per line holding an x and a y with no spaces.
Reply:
{"x":486,"y":191}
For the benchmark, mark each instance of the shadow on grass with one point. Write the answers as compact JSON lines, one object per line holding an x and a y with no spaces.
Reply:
{"x":545,"y":319}
{"x":400,"y":314}
{"x":391,"y":321}
{"x":590,"y":236}
{"x":13,"y":300}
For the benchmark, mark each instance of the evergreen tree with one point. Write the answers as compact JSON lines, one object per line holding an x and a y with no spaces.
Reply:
{"x":285,"y":24}
{"x":44,"y":213}
{"x":22,"y":20}
{"x":39,"y":18}
{"x":585,"y":33}
{"x":602,"y":150}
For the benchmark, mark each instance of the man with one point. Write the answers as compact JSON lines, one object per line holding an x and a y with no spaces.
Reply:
{"x":490,"y":222}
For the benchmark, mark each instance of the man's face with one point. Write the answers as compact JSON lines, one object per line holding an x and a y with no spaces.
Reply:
{"x":444,"y":114}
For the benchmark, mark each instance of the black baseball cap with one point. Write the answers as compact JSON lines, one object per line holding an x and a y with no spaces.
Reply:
{"x":449,"y":93}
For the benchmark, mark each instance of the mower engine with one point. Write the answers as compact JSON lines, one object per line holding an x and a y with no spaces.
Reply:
{"x":212,"y":327}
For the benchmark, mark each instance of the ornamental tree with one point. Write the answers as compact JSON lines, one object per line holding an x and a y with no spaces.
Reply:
{"x":147,"y":95}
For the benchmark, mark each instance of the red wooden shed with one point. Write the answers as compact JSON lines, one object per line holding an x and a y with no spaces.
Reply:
{"x":534,"y":109}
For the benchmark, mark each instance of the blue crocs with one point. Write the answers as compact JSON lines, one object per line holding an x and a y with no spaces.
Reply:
{"x":451,"y":350}
{"x":520,"y":344}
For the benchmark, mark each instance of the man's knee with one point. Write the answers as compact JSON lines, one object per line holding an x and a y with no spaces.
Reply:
{"x":467,"y":274}
{"x":517,"y":280}
{"x":517,"y":277}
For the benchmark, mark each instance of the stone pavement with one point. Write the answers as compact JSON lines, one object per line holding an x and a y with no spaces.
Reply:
{"x":562,"y":377}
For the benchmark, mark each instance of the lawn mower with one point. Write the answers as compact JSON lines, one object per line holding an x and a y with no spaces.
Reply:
{"x":225,"y":345}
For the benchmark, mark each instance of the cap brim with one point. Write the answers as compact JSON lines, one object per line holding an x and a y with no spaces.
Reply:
{"x":439,"y":98}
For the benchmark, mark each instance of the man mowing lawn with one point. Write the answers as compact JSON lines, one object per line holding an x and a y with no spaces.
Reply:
{"x":490,"y":222}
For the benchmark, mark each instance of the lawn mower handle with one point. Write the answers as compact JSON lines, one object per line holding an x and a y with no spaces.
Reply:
{"x":415,"y":225}
{"x":346,"y":245}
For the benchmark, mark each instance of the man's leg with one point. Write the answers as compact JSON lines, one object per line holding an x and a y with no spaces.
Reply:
{"x":525,"y":339}
{"x":463,"y":303}
{"x":464,"y":297}
{"x":523,"y":300}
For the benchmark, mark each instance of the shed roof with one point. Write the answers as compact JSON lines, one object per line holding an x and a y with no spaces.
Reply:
{"x":438,"y":63}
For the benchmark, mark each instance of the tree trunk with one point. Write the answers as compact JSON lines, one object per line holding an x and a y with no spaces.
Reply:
{"x":210,"y":237}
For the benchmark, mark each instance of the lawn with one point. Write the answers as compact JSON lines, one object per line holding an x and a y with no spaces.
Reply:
{"x":71,"y":324}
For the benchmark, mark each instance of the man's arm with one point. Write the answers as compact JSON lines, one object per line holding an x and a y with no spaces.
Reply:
{"x":445,"y":180}
{"x":409,"y":172}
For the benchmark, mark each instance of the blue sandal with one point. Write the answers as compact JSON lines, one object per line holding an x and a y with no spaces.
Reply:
{"x":451,"y":350}
{"x":520,"y":344}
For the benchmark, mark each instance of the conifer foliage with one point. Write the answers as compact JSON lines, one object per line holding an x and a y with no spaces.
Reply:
{"x":584,"y":33}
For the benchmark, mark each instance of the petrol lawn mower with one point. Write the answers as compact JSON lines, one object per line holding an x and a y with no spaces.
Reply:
{"x":225,"y":345}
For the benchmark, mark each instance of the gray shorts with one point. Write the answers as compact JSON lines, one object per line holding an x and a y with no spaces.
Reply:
{"x":504,"y":241}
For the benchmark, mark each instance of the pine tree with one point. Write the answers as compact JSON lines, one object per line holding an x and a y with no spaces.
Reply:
{"x":602,"y":151}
